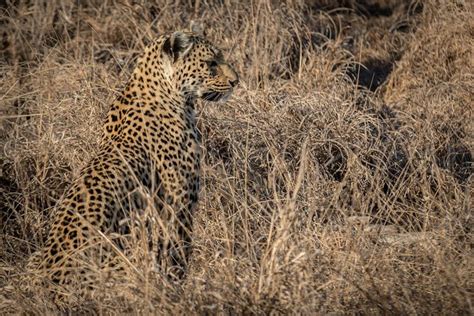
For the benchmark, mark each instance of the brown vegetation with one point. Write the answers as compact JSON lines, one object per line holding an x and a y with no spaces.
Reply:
{"x":338,"y":178}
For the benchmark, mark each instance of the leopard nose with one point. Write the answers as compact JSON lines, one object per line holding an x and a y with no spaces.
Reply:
{"x":234,"y":82}
{"x":232,"y":76}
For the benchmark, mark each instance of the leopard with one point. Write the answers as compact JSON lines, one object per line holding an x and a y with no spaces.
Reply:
{"x":148,"y":161}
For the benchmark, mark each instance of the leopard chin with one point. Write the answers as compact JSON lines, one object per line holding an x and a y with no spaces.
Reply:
{"x":215,"y":96}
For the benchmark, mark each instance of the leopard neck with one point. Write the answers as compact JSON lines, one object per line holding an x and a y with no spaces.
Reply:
{"x":149,"y":90}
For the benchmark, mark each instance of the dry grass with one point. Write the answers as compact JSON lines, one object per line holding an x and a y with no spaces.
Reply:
{"x":325,"y":189}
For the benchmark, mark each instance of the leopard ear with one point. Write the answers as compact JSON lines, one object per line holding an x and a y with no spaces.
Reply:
{"x":177,"y":45}
{"x":197,"y":28}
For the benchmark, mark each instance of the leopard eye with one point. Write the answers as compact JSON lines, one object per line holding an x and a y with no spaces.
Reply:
{"x":213,"y":67}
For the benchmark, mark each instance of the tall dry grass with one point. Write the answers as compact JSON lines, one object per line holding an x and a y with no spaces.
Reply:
{"x":337,"y":179}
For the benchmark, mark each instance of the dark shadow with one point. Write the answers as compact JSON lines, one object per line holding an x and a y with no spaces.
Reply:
{"x":456,"y":158}
{"x":333,"y":160}
{"x":371,"y":74}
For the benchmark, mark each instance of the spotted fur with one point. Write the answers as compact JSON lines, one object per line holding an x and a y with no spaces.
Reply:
{"x":149,"y":158}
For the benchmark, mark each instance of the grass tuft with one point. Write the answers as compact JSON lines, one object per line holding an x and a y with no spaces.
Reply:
{"x":337,"y":179}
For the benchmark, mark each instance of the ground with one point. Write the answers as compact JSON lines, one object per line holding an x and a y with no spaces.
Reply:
{"x":338,"y":177}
